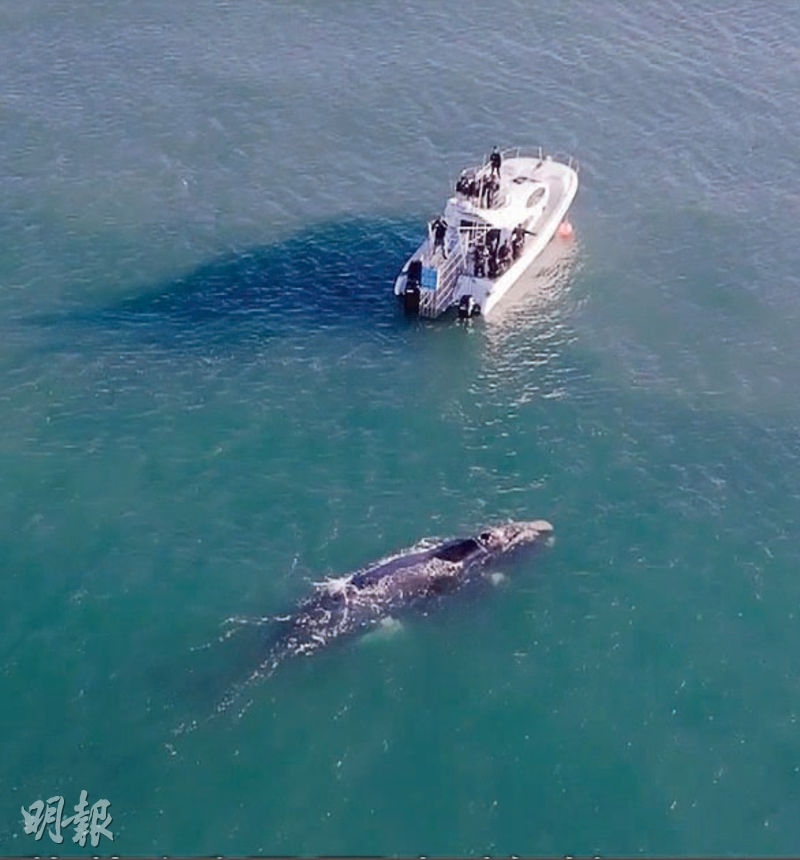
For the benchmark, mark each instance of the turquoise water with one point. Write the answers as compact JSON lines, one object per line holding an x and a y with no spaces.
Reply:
{"x":209,"y":400}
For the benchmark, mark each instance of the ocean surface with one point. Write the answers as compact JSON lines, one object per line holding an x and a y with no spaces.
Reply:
{"x":209,"y":400}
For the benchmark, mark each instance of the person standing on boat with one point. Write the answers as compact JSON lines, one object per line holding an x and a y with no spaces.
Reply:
{"x":479,"y":269}
{"x":503,"y":254}
{"x":492,"y":187}
{"x":517,"y":240}
{"x":495,"y":160}
{"x":439,"y":230}
{"x":492,"y":267}
{"x":486,"y":192}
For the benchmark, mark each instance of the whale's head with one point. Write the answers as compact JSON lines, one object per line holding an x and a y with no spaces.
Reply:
{"x":505,"y":538}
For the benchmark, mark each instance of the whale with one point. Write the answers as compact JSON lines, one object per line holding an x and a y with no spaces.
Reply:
{"x":417,"y":579}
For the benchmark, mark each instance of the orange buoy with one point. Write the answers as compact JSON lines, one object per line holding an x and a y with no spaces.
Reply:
{"x":565,"y":230}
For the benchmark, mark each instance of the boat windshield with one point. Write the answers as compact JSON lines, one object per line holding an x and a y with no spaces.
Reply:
{"x":535,"y":197}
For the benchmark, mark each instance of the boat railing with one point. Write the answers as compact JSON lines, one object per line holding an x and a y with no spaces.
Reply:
{"x":523,"y":152}
{"x":539,"y":153}
{"x":570,"y":161}
{"x":434,"y":302}
{"x":469,"y":236}
{"x":482,"y":171}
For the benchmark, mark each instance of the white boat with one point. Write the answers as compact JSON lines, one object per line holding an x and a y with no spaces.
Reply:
{"x":498,"y":222}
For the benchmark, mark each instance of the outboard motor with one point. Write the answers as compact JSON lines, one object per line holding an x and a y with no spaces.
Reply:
{"x":414,"y":273}
{"x":411,"y":293}
{"x":411,"y":298}
{"x":468,"y":307}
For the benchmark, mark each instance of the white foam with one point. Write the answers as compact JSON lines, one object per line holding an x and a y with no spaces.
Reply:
{"x":387,"y":628}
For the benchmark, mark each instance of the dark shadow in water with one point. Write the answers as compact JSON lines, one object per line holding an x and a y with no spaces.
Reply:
{"x":331,"y":275}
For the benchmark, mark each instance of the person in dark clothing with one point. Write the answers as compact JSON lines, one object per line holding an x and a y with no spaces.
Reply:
{"x":492,"y":263}
{"x":517,"y":241}
{"x":479,"y":270}
{"x":503,"y":257}
{"x":467,"y":184}
{"x":495,"y":160}
{"x":492,"y":187}
{"x":439,"y":230}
